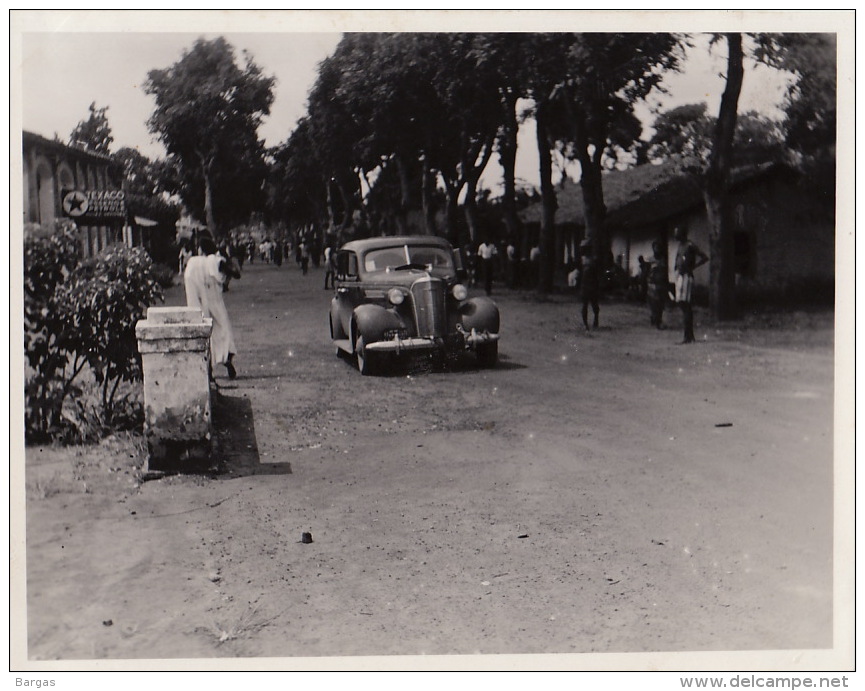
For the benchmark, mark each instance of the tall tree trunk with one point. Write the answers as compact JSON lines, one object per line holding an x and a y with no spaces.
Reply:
{"x":508,"y":161}
{"x":722,"y":276}
{"x":348,"y":199}
{"x":207,"y":169}
{"x":405,"y":194}
{"x":470,"y":209}
{"x":591,"y":185}
{"x":427,"y":188}
{"x":452,"y":193}
{"x":331,"y":213}
{"x":471,"y":175}
{"x":548,"y":203}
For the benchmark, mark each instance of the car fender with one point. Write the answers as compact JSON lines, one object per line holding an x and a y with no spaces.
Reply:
{"x":371,"y":321}
{"x":480,"y":313}
{"x":336,"y":325}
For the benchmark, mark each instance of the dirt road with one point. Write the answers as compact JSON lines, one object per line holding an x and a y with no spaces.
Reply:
{"x":592,"y":494}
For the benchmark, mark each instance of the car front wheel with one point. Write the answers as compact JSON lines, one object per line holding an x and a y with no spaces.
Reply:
{"x":365,"y":360}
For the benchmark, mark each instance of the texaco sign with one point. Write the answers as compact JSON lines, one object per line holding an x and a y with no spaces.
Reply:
{"x":94,"y":205}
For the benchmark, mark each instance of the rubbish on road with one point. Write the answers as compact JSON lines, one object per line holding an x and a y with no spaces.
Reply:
{"x":306,"y":538}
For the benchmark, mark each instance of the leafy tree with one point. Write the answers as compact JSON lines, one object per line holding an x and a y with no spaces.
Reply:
{"x":140,"y":176}
{"x":811,"y":103}
{"x":94,"y":133}
{"x":508,"y":56}
{"x":297,"y":186}
{"x":336,"y":112}
{"x":683,"y":131}
{"x":374,"y":110}
{"x":544,"y":73}
{"x":409,"y":108}
{"x":607,"y":75}
{"x":460,"y":116}
{"x":810,"y":128}
{"x":207,"y":114}
{"x":686,"y":131}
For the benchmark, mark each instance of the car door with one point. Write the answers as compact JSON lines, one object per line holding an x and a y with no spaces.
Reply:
{"x":348,"y":288}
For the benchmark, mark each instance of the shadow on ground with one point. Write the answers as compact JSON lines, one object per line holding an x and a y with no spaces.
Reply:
{"x":236,"y":443}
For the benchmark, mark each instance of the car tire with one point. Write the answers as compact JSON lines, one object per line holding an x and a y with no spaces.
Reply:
{"x":365,"y":360}
{"x":488,"y":354}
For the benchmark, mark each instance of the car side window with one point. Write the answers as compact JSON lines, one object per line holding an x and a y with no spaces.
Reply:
{"x":346,"y":265}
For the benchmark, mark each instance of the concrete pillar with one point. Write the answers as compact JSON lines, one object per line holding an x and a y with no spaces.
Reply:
{"x":174,"y":343}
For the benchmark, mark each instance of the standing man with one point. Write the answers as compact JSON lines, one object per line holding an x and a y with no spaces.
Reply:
{"x":487,"y":252}
{"x":329,"y":266}
{"x":590,"y":284}
{"x":304,"y":255}
{"x":203,"y":279}
{"x":688,"y":258}
{"x":657,"y":286}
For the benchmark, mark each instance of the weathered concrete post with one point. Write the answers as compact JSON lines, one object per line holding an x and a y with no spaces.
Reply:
{"x":174,"y":343}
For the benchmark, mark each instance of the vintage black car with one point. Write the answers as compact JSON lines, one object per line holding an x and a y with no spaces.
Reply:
{"x":401,"y":295}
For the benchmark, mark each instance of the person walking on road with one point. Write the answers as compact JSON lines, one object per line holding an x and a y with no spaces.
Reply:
{"x":487,"y":253}
{"x":590,"y":285}
{"x":329,"y":266}
{"x":203,"y":279}
{"x":304,"y":256}
{"x":688,"y":258}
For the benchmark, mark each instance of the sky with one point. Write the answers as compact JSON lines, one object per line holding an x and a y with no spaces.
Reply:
{"x":65,"y":67}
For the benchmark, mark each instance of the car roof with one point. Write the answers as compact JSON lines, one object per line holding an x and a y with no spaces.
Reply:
{"x":395,"y":240}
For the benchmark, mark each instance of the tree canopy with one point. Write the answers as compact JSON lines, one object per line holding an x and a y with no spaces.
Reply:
{"x":207,"y":113}
{"x":686,"y":131}
{"x":94,"y":133}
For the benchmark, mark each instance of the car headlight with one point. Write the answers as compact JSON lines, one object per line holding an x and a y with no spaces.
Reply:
{"x":459,"y":291}
{"x":395,"y":296}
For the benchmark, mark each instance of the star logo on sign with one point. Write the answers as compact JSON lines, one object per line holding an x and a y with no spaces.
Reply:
{"x":75,"y":203}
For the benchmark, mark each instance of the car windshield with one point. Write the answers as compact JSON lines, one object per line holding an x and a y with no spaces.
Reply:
{"x":389,"y":258}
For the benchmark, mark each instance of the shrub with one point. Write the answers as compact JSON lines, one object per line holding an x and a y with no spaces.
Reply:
{"x":50,"y":258}
{"x":101,"y":305}
{"x":81,"y":316}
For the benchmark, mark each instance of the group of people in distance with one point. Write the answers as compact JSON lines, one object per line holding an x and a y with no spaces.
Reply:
{"x":688,"y":258}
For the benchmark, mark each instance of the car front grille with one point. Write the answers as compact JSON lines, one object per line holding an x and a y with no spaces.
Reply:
{"x":428,"y":296}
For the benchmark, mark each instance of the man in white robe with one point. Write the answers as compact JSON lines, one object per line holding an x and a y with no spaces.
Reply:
{"x":203,"y":280}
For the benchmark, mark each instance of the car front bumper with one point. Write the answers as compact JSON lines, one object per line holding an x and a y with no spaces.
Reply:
{"x":397,"y":345}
